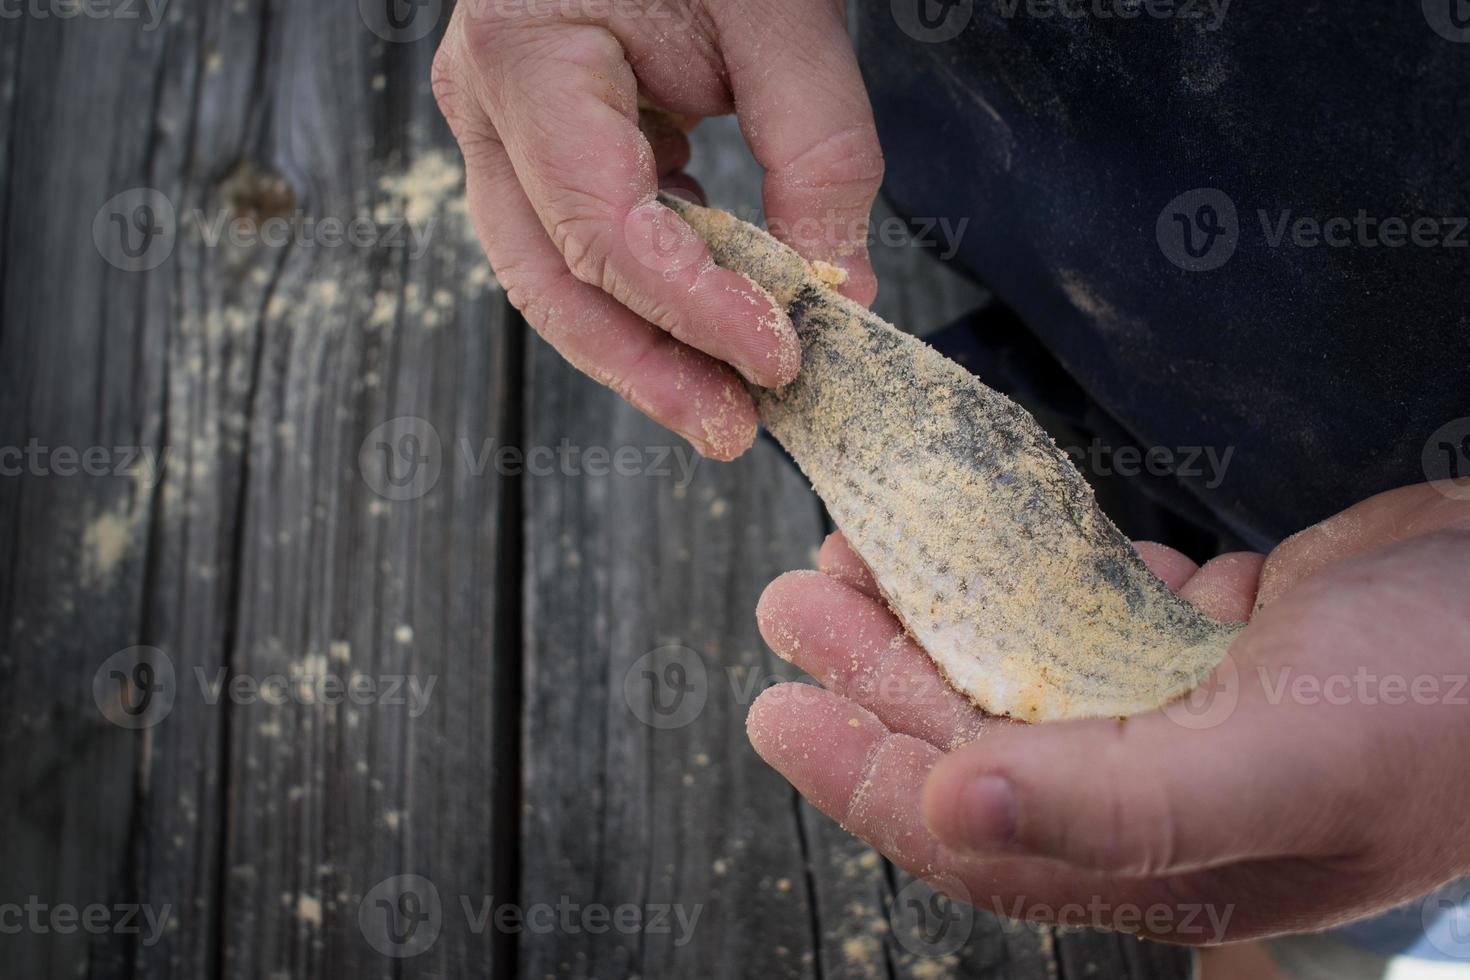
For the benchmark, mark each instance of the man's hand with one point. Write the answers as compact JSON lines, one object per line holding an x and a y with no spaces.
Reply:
{"x":543,"y":97}
{"x":1317,"y":777}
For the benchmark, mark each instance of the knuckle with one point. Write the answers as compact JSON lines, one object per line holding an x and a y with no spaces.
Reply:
{"x":482,"y":34}
{"x":523,"y":292}
{"x":472,"y":129}
{"x":1136,"y":829}
{"x":444,"y":80}
{"x":588,"y":49}
{"x":584,"y":238}
{"x":535,"y":305}
{"x":849,"y":158}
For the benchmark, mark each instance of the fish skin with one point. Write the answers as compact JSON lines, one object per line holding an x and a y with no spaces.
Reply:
{"x":984,"y":539}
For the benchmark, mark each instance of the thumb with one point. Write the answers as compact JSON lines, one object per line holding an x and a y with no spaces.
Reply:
{"x":1142,"y":797}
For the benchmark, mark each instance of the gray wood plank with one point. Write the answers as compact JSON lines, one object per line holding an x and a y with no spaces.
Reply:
{"x":371,"y":357}
{"x":631,"y":579}
{"x":81,"y":351}
{"x":269,"y":548}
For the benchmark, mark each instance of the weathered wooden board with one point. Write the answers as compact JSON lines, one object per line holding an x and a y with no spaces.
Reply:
{"x":332,"y":509}
{"x":269,"y":548}
{"x":81,"y":365}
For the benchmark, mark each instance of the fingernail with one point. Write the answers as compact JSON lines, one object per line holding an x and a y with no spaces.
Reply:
{"x":984,"y":815}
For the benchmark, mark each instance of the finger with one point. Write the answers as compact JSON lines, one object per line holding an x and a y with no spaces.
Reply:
{"x":852,"y":645}
{"x":564,"y":101}
{"x":1225,"y":588}
{"x":804,"y":111}
{"x":1397,"y":515}
{"x":837,"y":559}
{"x":1142,"y":797}
{"x":679,"y":387}
{"x":1173,"y":567}
{"x":870,"y":780}
{"x":849,"y":765}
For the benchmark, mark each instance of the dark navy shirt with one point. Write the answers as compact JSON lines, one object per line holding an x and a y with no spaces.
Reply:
{"x":1235,"y":225}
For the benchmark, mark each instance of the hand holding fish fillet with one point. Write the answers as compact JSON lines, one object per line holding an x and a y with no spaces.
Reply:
{"x":985,"y":540}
